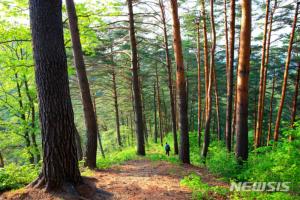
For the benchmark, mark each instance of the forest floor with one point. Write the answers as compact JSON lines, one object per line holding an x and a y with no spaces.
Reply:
{"x":140,"y":179}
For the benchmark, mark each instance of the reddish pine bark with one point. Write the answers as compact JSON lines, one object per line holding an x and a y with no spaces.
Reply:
{"x":184,"y":154}
{"x":170,"y":81}
{"x":206,"y":140}
{"x":258,"y":131}
{"x":229,"y":72}
{"x":242,"y":83}
{"x":285,"y":76}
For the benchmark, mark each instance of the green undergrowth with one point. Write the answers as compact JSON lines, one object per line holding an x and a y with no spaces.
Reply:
{"x":115,"y":158}
{"x":202,"y":190}
{"x":14,"y":176}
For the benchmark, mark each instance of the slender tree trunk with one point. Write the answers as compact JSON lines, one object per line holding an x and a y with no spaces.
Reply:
{"x":260,"y":109}
{"x":242,"y":83}
{"x":187,"y":87}
{"x":60,"y":163}
{"x":217,"y":104}
{"x":155,"y":113}
{"x":23,"y":119}
{"x":136,"y":87}
{"x":89,"y":115}
{"x":255,"y":111}
{"x":116,"y":104}
{"x":1,"y":160}
{"x":165,"y":116}
{"x":229,"y":130}
{"x":285,"y":76}
{"x":133,"y":111}
{"x":211,"y":77}
{"x":144,"y":115}
{"x":98,"y":132}
{"x":199,"y":83}
{"x":234,"y":117}
{"x":159,"y":107}
{"x":131,"y":128}
{"x":294,"y":107}
{"x":266,"y":70}
{"x":184,"y":153}
{"x":170,"y":81}
{"x":205,"y":49}
{"x":271,"y":111}
{"x":32,"y":132}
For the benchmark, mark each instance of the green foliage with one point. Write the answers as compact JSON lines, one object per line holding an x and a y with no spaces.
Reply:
{"x":261,"y":196}
{"x":116,"y":158}
{"x":220,"y":162}
{"x":202,"y":190}
{"x":15,"y":176}
{"x":156,"y":151}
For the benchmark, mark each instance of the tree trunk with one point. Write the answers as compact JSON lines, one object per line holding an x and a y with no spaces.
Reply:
{"x":136,"y":87}
{"x":229,"y":130}
{"x":131,"y":128}
{"x":89,"y":115}
{"x":98,"y":132}
{"x":294,"y":107}
{"x":234,"y":116}
{"x":265,"y":73}
{"x":78,"y":145}
{"x":32,"y":132}
{"x":184,"y":153}
{"x":115,"y":95}
{"x":144,"y":115}
{"x":170,"y":81}
{"x":1,"y":160}
{"x":211,"y":77}
{"x":260,"y":109}
{"x":23,"y":119}
{"x":271,"y":111}
{"x":60,"y":163}
{"x":242,"y":83}
{"x":217,"y":104}
{"x":159,"y":107}
{"x":205,"y":49}
{"x":199,"y":83}
{"x":155,"y":113}
{"x":285,"y":76}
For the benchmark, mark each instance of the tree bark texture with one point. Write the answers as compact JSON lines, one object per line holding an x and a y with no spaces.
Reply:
{"x":60,"y":163}
{"x":229,"y":119}
{"x":170,"y":81}
{"x":206,"y":140}
{"x":242,"y":83}
{"x":136,"y":87}
{"x":184,"y":152}
{"x":88,"y":110}
{"x":285,"y":76}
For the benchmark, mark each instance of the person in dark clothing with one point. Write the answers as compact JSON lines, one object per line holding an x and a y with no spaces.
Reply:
{"x":167,"y":149}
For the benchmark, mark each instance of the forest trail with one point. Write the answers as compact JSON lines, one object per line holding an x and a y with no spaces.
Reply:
{"x":134,"y":180}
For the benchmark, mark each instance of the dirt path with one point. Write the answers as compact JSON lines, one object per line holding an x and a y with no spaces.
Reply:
{"x":134,"y":180}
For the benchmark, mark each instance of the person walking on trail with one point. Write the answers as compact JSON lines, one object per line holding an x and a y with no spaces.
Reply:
{"x":167,"y":149}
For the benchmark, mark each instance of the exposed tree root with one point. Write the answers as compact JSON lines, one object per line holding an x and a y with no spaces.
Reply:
{"x":82,"y":191}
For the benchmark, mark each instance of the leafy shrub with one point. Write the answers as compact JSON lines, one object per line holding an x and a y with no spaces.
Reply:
{"x":116,"y":158}
{"x":202,"y":190}
{"x":222,"y":163}
{"x":14,"y":176}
